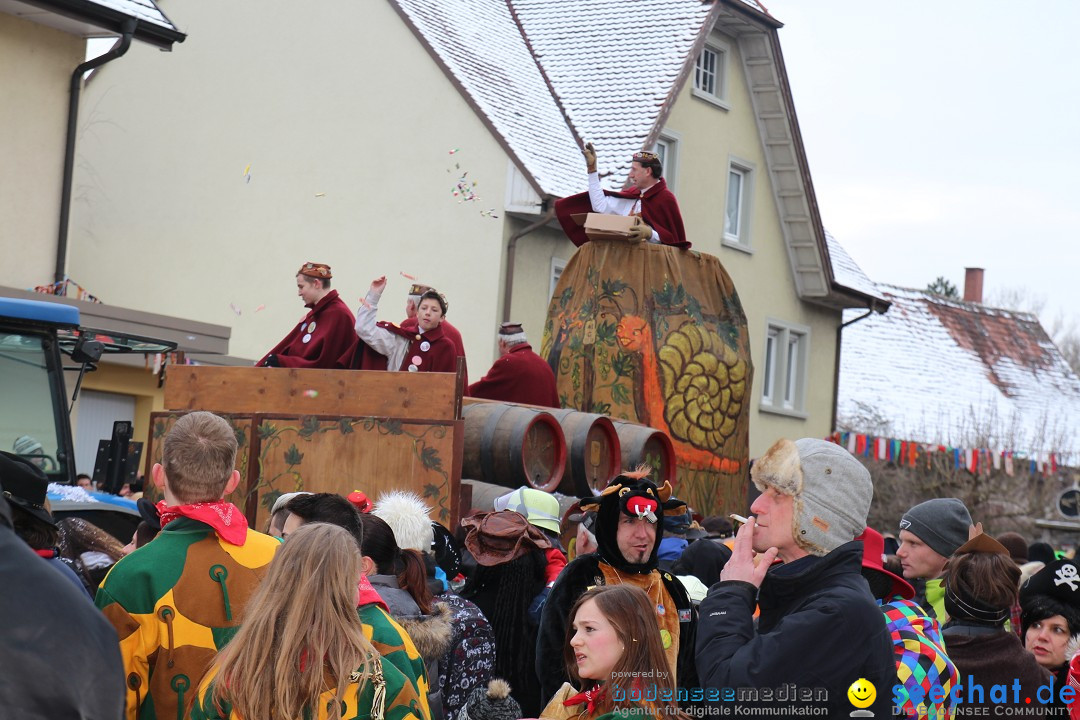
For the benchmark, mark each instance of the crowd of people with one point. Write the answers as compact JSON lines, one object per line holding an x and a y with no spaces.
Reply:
{"x":628,"y":604}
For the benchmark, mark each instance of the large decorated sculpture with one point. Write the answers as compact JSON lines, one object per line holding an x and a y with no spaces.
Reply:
{"x":656,"y":335}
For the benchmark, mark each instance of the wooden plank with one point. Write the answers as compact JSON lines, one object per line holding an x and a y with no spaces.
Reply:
{"x":375,"y":455}
{"x":350,"y":393}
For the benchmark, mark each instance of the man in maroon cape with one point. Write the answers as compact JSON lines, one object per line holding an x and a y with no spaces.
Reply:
{"x":647,"y":198}
{"x":368,"y":359}
{"x":325,"y":335}
{"x":519,"y":375}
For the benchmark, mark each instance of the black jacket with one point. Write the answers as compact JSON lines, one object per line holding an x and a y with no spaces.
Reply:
{"x":577,"y":577}
{"x":819,"y":628}
{"x":61,"y":657}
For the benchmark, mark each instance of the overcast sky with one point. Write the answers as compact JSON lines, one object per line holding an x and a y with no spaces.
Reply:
{"x":942,"y":135}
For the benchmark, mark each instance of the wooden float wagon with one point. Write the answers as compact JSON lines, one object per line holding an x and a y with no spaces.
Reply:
{"x":338,"y":431}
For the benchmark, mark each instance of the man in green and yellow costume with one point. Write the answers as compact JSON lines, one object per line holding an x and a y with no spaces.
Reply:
{"x":177,"y":600}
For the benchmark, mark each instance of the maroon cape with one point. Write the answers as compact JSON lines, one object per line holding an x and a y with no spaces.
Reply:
{"x":433,"y":349}
{"x":330,"y":332}
{"x":368,"y":359}
{"x":520,"y":376}
{"x":659,"y":209}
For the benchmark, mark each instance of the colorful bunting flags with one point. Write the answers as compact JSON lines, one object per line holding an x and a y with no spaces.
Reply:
{"x":974,"y":460}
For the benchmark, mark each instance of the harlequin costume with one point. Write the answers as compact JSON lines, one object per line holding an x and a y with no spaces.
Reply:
{"x":519,"y":376}
{"x":657,"y":207}
{"x":411,"y":350}
{"x":674,"y":611}
{"x":323,"y":337}
{"x":396,"y":647}
{"x":176,"y":601}
{"x":386,"y":694}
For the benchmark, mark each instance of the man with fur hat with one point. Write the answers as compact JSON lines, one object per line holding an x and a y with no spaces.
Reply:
{"x":519,"y":375}
{"x":628,"y":535}
{"x":929,"y":533}
{"x":325,"y":337}
{"x":819,"y":625}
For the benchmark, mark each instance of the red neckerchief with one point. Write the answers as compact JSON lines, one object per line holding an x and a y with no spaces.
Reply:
{"x":367,"y":595}
{"x":226,"y":519}
{"x":48,"y":553}
{"x":591,"y":698}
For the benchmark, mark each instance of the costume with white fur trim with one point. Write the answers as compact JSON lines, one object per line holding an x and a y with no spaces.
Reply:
{"x":676,"y":616}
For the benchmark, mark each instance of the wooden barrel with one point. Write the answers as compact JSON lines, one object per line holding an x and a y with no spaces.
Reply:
{"x":593,"y":457}
{"x":642,"y":444}
{"x":511,"y":445}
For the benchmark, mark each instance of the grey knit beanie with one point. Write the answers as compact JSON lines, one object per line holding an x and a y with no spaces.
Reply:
{"x":832,"y":491}
{"x":941,"y":523}
{"x":491,"y":703}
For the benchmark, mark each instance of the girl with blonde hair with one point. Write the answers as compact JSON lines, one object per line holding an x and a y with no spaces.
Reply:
{"x":304,"y":611}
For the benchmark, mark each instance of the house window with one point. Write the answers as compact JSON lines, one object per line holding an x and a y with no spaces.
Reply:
{"x":787,"y":351}
{"x":710,"y":72}
{"x":667,"y":147}
{"x":737,"y":204}
{"x":557,"y":266}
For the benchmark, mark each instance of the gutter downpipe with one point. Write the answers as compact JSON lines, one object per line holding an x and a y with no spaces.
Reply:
{"x":128,"y":30}
{"x":836,"y":366}
{"x":511,"y":247}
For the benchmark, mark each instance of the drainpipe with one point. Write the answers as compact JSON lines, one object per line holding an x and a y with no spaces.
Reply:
{"x":836,"y":365}
{"x":128,"y":30}
{"x":511,"y":246}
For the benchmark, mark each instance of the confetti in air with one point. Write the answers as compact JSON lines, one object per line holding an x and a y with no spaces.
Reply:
{"x":261,"y":307}
{"x":247,"y":173}
{"x":407,"y":276}
{"x":311,"y":393}
{"x":454,"y":151}
{"x":234,"y":309}
{"x":320,"y":194}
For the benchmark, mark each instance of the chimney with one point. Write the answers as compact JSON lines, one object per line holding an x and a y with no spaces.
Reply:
{"x":973,"y":281}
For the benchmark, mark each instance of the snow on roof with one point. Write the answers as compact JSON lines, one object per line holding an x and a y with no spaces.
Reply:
{"x":480,"y":44}
{"x":948,"y":372}
{"x":847,"y":272}
{"x":145,"y":10}
{"x":612,"y":64}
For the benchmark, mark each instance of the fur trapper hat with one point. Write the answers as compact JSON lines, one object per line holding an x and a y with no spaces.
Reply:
{"x":831,"y":490}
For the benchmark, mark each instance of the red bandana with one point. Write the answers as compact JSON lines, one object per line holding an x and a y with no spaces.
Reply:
{"x":592,"y":698}
{"x":48,"y":554}
{"x":226,"y":519}
{"x":366,"y":595}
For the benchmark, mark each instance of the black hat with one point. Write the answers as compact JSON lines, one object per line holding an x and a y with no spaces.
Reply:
{"x":24,"y":485}
{"x":447,"y":550}
{"x":149,"y":513}
{"x":1059,"y":579}
{"x":631,"y":495}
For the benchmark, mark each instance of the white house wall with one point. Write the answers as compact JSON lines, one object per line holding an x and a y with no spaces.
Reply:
{"x":347,"y":125}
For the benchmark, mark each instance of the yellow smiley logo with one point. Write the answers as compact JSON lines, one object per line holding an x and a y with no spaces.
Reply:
{"x":862,"y":693}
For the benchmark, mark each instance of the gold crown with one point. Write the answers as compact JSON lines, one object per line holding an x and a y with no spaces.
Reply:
{"x":646,"y":156}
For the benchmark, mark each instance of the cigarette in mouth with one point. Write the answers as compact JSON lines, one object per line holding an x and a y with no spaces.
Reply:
{"x":739,"y":519}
